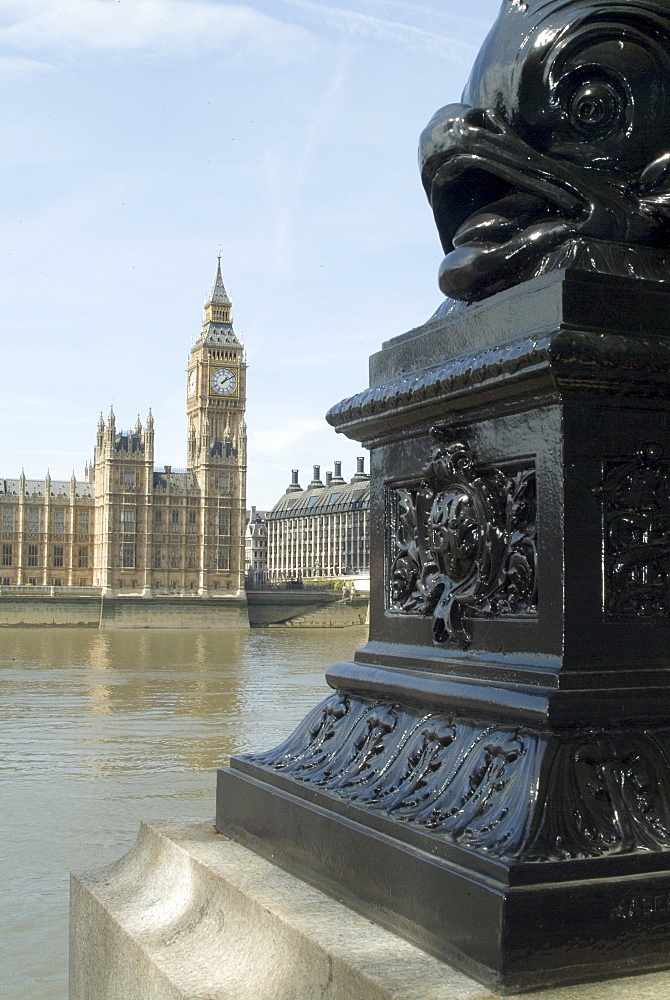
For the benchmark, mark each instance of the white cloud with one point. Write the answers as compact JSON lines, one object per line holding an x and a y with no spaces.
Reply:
{"x":156,"y":25}
{"x":389,"y":29}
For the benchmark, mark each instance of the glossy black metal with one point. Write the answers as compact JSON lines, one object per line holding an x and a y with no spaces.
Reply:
{"x":464,"y":540}
{"x":560,"y":148}
{"x":491,"y":776}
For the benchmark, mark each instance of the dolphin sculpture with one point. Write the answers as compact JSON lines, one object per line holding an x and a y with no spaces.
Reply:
{"x":559,"y":151}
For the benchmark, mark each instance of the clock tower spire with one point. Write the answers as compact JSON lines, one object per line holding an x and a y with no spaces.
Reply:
{"x":218,"y":305}
{"x":215,"y":405}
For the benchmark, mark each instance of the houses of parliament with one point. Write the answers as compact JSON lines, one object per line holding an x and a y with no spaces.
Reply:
{"x":129,"y":528}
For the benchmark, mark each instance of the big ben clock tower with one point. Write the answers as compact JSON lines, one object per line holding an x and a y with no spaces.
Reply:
{"x":217,"y":444}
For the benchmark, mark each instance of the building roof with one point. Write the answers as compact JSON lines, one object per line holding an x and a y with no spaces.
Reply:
{"x":128,"y":441}
{"x":218,"y":295}
{"x":218,"y":328}
{"x":332,"y":499}
{"x":179,"y":480}
{"x":220,"y":334}
{"x":257,"y":529}
{"x":36,"y":488}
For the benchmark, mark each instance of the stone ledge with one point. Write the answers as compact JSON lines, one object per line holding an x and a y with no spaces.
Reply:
{"x":189,"y":915}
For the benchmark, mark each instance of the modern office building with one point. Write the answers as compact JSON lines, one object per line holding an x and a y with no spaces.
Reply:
{"x":323,"y":530}
{"x":128,"y":527}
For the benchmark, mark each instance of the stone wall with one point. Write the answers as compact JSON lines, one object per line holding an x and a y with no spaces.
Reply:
{"x":305,"y":608}
{"x":122,"y":612}
{"x":280,"y":608}
{"x":173,"y":612}
{"x":80,"y":612}
{"x":340,"y":615}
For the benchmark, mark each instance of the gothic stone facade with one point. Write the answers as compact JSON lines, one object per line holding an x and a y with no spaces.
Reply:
{"x":129,"y":527}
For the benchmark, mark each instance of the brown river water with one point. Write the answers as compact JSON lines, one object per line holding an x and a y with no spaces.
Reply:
{"x":100,"y":730}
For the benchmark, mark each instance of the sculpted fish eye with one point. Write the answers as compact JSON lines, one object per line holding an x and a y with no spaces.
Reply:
{"x":595,"y":108}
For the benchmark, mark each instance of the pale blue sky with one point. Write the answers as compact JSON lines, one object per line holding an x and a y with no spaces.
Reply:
{"x":137,"y":135}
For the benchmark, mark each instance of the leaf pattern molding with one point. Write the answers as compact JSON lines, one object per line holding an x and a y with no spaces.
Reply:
{"x":515,"y":794}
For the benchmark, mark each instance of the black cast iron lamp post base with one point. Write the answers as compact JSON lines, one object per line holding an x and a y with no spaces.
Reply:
{"x":491,"y":775}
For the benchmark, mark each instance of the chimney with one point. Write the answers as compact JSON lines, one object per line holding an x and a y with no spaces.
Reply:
{"x":337,"y":475}
{"x":361,"y":475}
{"x":329,"y":477}
{"x":316,"y":483}
{"x":168,"y":469}
{"x":294,"y":486}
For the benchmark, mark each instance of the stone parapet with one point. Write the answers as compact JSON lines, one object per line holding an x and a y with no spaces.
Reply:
{"x":190,"y":915}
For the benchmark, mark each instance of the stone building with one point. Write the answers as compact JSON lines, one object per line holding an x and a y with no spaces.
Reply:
{"x":131,"y":528}
{"x":256,"y":550}
{"x":322,"y":531}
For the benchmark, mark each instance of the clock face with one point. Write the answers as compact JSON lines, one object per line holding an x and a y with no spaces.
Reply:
{"x":223,"y":381}
{"x":192,"y":381}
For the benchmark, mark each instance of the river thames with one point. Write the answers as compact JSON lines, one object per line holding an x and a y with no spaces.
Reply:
{"x":103,"y":729}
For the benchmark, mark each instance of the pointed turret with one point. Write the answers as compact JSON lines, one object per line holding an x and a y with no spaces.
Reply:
{"x":218,"y":305}
{"x":100,"y":437}
{"x":110,"y":429}
{"x":217,"y":322}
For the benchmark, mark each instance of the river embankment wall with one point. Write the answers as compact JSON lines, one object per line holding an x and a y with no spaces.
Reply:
{"x":305,"y":609}
{"x":324,"y":609}
{"x":173,"y":612}
{"x":122,"y":612}
{"x":81,"y":612}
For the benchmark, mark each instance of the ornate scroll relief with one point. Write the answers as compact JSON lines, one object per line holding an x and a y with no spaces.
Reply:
{"x":614,"y":796}
{"x":464,"y":543}
{"x":636,"y":499}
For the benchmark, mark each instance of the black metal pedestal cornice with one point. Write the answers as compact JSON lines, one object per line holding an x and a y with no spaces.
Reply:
{"x":565,"y":332}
